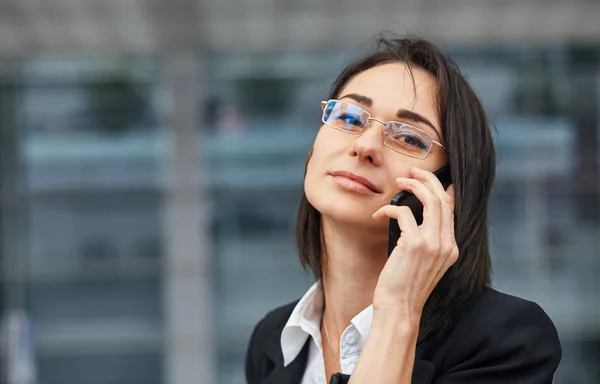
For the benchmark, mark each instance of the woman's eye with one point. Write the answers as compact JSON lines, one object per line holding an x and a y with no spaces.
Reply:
{"x":411,"y":141}
{"x":350,"y":119}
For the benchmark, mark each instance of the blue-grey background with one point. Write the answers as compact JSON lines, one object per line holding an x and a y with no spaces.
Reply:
{"x":152,"y":154}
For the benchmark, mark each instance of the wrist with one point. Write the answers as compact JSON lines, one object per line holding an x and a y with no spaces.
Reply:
{"x":399,"y":320}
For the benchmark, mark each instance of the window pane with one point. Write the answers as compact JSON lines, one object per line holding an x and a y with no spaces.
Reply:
{"x":92,"y":151}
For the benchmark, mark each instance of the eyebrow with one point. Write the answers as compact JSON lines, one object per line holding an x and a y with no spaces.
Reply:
{"x":402,"y":113}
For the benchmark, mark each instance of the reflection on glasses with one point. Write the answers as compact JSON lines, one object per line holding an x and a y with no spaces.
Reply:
{"x":400,"y":137}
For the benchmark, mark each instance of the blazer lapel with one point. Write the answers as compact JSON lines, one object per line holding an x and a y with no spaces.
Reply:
{"x":292,"y":374}
{"x":423,"y":372}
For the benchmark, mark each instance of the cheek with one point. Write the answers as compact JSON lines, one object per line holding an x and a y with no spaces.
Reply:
{"x":322,"y":139}
{"x":312,"y":179}
{"x":313,"y":164}
{"x":326,"y":150}
{"x":397,"y":166}
{"x":322,"y":150}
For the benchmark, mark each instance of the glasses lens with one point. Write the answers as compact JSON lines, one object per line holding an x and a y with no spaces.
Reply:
{"x":408,"y":140}
{"x":344,"y":116}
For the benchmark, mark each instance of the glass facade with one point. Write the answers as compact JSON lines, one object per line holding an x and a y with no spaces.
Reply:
{"x":91,"y":150}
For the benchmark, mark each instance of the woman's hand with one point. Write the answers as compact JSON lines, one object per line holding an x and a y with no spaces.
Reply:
{"x":423,"y":254}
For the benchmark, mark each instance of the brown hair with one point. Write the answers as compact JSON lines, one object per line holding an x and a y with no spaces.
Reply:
{"x":472,"y":161}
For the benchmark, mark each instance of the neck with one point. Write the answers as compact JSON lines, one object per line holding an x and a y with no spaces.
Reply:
{"x":351,"y":269}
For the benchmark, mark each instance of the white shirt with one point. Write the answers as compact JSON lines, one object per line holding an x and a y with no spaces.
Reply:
{"x":305,"y":322}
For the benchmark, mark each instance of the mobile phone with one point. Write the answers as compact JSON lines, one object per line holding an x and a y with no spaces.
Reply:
{"x":411,"y":201}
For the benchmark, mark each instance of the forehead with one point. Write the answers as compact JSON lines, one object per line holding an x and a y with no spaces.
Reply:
{"x":391,"y":87}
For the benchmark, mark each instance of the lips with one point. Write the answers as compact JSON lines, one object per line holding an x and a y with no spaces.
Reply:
{"x":358,"y":179}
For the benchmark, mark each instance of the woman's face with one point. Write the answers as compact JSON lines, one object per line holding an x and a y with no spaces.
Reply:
{"x":382,"y":91}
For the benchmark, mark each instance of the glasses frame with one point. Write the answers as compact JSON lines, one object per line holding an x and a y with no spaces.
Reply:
{"x":385,"y":124}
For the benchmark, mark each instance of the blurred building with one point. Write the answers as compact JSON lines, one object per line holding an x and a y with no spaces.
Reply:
{"x":151,"y":162}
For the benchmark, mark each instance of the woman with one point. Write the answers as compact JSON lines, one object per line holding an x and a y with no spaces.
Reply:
{"x":426,"y":314}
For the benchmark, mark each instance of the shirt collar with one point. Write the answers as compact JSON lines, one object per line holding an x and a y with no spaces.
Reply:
{"x":362,"y":322}
{"x":305,"y":321}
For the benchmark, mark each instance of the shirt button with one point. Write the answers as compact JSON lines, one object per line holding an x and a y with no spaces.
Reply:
{"x":350,"y":339}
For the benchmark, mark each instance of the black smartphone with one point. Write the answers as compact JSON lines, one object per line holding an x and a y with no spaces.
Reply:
{"x":411,"y":201}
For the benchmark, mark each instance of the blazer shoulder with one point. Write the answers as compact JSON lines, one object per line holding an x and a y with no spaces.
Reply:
{"x":495,"y":307}
{"x":503,"y":335}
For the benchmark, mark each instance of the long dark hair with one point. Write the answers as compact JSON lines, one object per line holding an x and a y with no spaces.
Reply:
{"x":466,"y":131}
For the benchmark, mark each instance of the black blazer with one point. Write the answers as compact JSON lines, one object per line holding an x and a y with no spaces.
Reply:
{"x":496,"y":339}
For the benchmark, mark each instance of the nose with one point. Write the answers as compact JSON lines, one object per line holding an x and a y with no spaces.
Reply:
{"x":369,"y":144}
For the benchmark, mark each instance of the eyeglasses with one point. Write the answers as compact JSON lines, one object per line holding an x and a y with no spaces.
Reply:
{"x":400,"y":137}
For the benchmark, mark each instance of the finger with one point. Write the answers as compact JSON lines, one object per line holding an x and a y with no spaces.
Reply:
{"x":406,"y":220}
{"x":427,"y":178}
{"x":447,"y":231}
{"x":453,"y":253}
{"x":446,"y":199}
{"x":448,"y":262}
{"x":431,"y":205}
{"x":452,"y":195}
{"x":447,"y":241}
